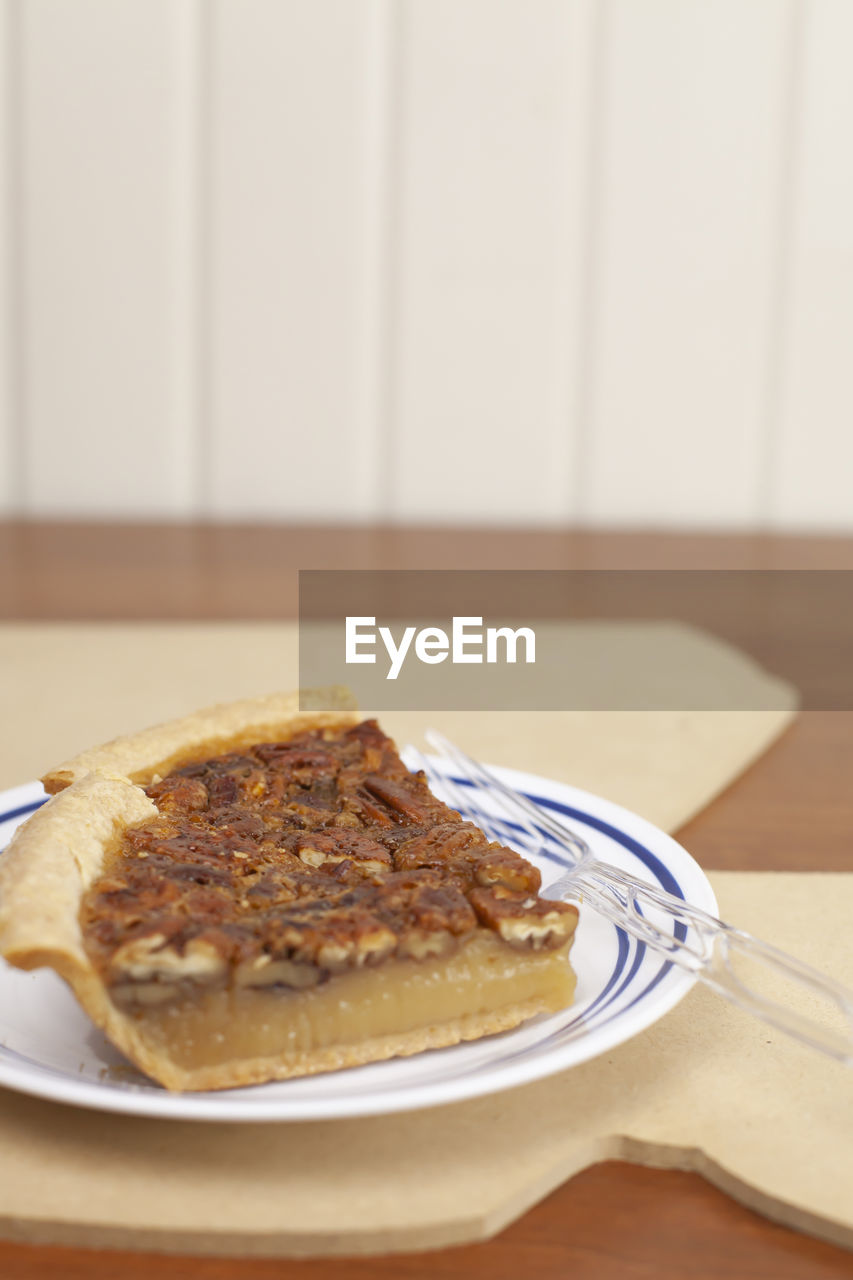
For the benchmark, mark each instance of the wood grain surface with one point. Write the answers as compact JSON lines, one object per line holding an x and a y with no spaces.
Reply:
{"x":793,"y":810}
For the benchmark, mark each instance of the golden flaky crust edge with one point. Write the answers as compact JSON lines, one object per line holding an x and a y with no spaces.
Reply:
{"x":59,"y":852}
{"x":225,"y":727}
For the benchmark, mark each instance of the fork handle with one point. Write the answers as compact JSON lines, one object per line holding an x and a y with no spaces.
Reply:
{"x":710,"y":949}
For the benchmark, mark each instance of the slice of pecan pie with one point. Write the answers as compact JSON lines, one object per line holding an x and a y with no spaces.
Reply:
{"x":254,"y":893}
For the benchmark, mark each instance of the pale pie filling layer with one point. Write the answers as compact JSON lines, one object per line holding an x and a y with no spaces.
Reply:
{"x":209,"y":1027}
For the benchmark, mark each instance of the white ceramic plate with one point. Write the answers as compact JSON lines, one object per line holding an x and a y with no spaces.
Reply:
{"x":48,"y":1046}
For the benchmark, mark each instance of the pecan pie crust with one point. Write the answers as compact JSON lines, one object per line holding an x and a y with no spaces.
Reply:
{"x":255,"y":864}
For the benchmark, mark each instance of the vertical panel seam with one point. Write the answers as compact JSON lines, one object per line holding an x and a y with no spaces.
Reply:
{"x":190,"y":258}
{"x":391,"y":265}
{"x":569,"y":259}
{"x":204,"y":277}
{"x":15,"y":248}
{"x":593,"y":196}
{"x":374,"y":256}
{"x":779,"y":301}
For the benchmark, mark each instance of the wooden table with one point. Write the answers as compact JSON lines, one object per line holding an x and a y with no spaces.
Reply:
{"x":792,"y":811}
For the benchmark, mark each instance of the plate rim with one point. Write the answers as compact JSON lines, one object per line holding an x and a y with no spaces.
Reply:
{"x":225,"y":1107}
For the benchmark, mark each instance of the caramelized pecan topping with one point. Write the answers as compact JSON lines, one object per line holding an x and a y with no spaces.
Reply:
{"x":291,"y":861}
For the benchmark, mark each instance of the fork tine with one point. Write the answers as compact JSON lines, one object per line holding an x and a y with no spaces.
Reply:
{"x":478,"y":775}
{"x":529,"y":815}
{"x":439,"y":782}
{"x":461,"y":800}
{"x":464,"y":800}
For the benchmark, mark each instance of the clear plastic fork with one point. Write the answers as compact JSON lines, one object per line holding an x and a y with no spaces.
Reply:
{"x":813,"y":1008}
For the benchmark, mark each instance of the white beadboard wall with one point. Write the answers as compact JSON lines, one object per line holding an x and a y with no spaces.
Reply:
{"x":526,"y":261}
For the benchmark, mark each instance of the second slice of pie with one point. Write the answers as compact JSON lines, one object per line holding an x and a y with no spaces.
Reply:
{"x":256,"y":893}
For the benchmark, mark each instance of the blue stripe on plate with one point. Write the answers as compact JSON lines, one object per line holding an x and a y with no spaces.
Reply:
{"x":659,"y":871}
{"x":23,"y":810}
